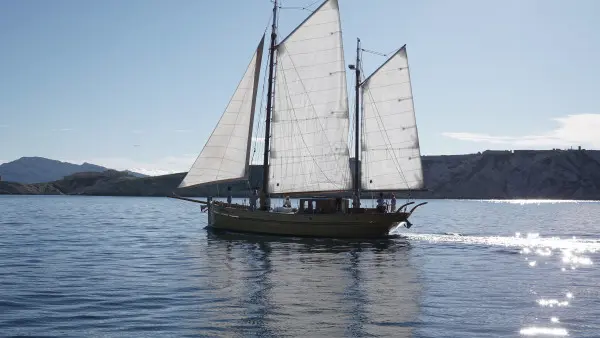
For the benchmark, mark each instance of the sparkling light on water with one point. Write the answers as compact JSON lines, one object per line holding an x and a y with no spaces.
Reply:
{"x":552,"y":302}
{"x":532,"y":241}
{"x":534,"y":331}
{"x":536,"y":201}
{"x":570,"y":257}
{"x":538,"y":251}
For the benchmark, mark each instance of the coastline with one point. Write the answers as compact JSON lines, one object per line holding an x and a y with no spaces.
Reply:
{"x":535,"y":174}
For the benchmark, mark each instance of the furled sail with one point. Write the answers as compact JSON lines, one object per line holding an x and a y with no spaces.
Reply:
{"x":225,"y":155}
{"x":391,"y":157}
{"x":309,"y":126}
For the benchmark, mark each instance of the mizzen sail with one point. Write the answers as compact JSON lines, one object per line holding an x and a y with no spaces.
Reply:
{"x":309,"y":126}
{"x":226,"y":153}
{"x":391,"y":158}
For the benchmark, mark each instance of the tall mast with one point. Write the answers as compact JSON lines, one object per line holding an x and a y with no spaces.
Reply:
{"x":356,"y":127}
{"x":265,"y":189}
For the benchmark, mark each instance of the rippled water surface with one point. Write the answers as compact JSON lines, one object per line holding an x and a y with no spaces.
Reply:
{"x":124,"y":267}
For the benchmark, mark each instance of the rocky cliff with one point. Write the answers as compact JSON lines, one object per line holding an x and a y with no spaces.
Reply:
{"x":552,"y":174}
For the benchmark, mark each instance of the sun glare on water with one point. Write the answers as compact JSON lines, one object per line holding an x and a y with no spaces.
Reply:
{"x":570,"y":253}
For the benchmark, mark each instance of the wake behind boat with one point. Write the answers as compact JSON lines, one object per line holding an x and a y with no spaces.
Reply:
{"x":306,"y":150}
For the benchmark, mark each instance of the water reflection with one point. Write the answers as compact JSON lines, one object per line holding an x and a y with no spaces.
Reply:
{"x":273,"y":286}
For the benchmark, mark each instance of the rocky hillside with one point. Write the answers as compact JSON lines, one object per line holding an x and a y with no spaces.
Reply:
{"x":40,"y":169}
{"x":551,"y":174}
{"x":114,"y":183}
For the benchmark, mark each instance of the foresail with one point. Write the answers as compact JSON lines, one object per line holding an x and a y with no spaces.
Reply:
{"x":225,"y":154}
{"x":309,"y":126}
{"x":391,"y":157}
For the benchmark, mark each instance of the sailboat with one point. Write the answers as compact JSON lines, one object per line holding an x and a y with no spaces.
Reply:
{"x":306,"y":152}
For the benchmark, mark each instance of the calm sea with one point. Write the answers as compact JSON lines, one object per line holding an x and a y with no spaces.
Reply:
{"x":128,"y":267}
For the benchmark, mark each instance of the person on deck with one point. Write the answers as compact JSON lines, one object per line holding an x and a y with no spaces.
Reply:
{"x":287,"y":203}
{"x":338,"y":204}
{"x":393,"y":203}
{"x":355,"y":201}
{"x":381,"y":207}
{"x":253,"y":199}
{"x":229,"y":195}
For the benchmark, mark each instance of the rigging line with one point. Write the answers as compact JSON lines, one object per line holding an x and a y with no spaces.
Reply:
{"x":313,"y":108}
{"x":350,"y":143}
{"x":306,"y":8}
{"x":350,"y":175}
{"x":392,"y":51}
{"x":352,"y":108}
{"x":258,"y":123}
{"x":274,"y":91}
{"x":299,"y":8}
{"x":261,"y":112}
{"x":363,"y":136}
{"x":263,"y":88}
{"x":373,"y":52}
{"x":302,"y":136}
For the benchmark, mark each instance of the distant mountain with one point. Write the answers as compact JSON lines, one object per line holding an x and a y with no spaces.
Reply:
{"x":106,"y":183}
{"x":40,"y":169}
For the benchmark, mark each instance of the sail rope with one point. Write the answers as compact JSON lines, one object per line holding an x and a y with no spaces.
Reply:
{"x":350,"y":143}
{"x":259,"y":130}
{"x":305,"y":8}
{"x":351,"y":138}
{"x":275,"y":76}
{"x":262,"y":95}
{"x":379,"y":53}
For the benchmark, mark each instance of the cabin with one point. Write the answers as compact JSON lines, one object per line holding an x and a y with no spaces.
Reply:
{"x":323,"y":205}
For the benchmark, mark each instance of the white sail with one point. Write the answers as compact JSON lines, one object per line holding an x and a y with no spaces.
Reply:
{"x":225,"y":155}
{"x":391,"y":158}
{"x":309,"y":132}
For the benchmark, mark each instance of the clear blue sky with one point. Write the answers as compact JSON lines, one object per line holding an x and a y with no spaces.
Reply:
{"x":141,"y":83}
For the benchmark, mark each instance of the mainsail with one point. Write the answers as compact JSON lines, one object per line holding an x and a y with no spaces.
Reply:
{"x":309,"y":125}
{"x":225,"y":155}
{"x":391,"y":158}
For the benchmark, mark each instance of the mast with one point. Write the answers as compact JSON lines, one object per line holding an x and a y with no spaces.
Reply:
{"x":265,"y":189}
{"x":356,"y":127}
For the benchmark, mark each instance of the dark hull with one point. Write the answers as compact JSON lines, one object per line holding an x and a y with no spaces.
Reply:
{"x":336,"y":225}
